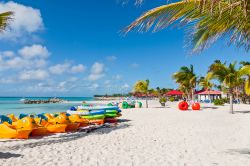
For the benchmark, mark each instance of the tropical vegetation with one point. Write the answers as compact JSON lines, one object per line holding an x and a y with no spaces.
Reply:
{"x":142,"y":86}
{"x":5,"y":19}
{"x":232,"y":78}
{"x":205,"y":83}
{"x":206,"y":21}
{"x":187,"y":80}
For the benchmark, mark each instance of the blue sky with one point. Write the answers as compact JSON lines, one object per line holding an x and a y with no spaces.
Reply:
{"x":74,"y":48}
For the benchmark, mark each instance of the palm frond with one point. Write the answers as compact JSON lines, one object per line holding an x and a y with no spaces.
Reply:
{"x":209,"y":20}
{"x":5,"y":19}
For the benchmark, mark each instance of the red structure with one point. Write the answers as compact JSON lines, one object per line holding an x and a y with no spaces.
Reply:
{"x":174,"y":93}
{"x":208,"y":95}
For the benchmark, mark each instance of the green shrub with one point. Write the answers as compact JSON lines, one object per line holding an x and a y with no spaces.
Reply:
{"x":225,"y":100}
{"x":219,"y":102}
{"x":162,"y":100}
{"x":172,"y":99}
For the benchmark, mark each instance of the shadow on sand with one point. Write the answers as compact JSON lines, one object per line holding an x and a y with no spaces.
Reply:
{"x":67,"y":137}
{"x":240,"y":151}
{"x":123,"y":120}
{"x":209,"y":107}
{"x":162,"y":107}
{"x":242,"y":112}
{"x":9,"y":155}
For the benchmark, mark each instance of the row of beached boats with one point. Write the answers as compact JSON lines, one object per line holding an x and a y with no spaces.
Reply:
{"x":24,"y":126}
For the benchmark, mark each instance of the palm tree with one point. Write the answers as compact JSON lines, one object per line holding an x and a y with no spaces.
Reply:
{"x":206,"y":21}
{"x":142,"y":86}
{"x":229,"y":76}
{"x":206,"y":84}
{"x":247,"y":83}
{"x":186,"y":79}
{"x":5,"y":20}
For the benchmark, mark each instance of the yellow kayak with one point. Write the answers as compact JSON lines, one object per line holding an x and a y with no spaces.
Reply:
{"x":7,"y":132}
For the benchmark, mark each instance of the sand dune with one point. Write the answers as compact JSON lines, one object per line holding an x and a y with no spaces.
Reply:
{"x":153,"y":136}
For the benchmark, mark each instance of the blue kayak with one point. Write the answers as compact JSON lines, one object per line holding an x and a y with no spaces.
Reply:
{"x":98,"y":108}
{"x":92,"y":112}
{"x":97,"y":112}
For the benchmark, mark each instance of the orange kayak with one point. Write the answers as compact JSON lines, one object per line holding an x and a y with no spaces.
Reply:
{"x":77,"y":119}
{"x":72,"y":126}
{"x":84,"y":124}
{"x":56,"y":128}
{"x":7,"y":132}
{"x":29,"y":123}
{"x":39,"y":131}
{"x":97,"y":121}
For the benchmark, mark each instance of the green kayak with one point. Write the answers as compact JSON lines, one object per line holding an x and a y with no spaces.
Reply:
{"x":109,"y":115}
{"x":93,"y":117}
{"x":111,"y":111}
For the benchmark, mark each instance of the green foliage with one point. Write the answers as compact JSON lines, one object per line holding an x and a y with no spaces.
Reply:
{"x":5,"y":20}
{"x":172,"y":99}
{"x":230,"y":76}
{"x":162,"y":100}
{"x":114,"y":95}
{"x":186,"y":78}
{"x":205,"y":82}
{"x":219,"y":102}
{"x":225,"y":100}
{"x":206,"y":20}
{"x":141,"y":86}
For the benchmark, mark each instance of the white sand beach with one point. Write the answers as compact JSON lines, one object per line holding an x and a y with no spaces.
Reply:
{"x":153,"y":136}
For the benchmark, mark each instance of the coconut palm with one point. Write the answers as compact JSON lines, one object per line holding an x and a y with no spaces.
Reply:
{"x":247,"y":77}
{"x":186,"y":79}
{"x":4,"y":20}
{"x":230,"y":77}
{"x":205,"y":83}
{"x":142,"y":86}
{"x":206,"y":21}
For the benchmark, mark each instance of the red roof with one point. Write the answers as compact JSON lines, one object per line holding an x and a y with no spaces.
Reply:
{"x":207,"y":92}
{"x":174,"y":92}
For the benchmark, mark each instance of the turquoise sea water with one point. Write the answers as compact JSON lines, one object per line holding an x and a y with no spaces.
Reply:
{"x":14,"y":105}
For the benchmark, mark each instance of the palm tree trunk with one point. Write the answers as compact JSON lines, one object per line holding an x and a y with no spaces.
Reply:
{"x":146,"y":100}
{"x":209,"y":96}
{"x":192,"y":94}
{"x":231,"y":103}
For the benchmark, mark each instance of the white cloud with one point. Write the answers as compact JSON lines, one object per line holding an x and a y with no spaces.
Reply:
{"x":59,"y":68}
{"x":78,"y":68}
{"x":66,"y":68}
{"x":125,"y":86}
{"x":27,"y":20}
{"x":34,"y":51}
{"x":117,"y":77}
{"x":107,"y":82}
{"x":39,"y":63}
{"x":33,"y":75}
{"x":97,"y":71}
{"x":31,"y":58}
{"x":73,"y":79}
{"x":94,"y":86}
{"x":111,"y":58}
{"x":7,"y":80}
{"x":7,"y":54}
{"x":134,"y":65}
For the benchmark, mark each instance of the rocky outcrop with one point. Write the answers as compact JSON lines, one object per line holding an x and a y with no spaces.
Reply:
{"x":51,"y":100}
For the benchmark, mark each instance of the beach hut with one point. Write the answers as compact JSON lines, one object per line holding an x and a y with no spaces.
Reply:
{"x":204,"y":95}
{"x":175,"y":93}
